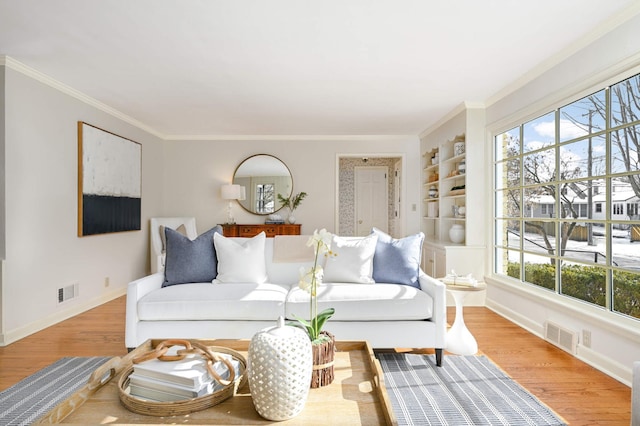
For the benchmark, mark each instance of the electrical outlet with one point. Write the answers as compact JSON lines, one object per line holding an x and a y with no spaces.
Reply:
{"x":106,"y":281}
{"x":586,"y":338}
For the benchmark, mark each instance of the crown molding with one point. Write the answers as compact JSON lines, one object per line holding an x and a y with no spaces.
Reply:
{"x":287,"y":137}
{"x":70,"y":91}
{"x":466,"y":105}
{"x":51,"y":82}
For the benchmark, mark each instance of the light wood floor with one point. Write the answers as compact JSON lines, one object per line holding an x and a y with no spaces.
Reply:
{"x":579,"y":393}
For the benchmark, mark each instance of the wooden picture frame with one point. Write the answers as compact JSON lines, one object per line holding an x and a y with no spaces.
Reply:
{"x":109,"y":182}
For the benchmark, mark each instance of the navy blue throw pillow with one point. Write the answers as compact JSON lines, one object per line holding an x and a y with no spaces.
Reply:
{"x":190,"y":261}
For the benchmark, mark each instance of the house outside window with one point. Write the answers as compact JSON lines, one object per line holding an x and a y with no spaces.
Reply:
{"x":584,"y":157}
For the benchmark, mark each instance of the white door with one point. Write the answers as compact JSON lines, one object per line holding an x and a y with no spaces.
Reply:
{"x":371,"y":199}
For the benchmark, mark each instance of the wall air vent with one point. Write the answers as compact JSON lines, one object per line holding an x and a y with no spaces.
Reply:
{"x":69,"y":292}
{"x":561,"y":337}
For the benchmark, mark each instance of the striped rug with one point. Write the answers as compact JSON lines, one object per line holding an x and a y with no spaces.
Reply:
{"x":466,"y":390}
{"x":24,"y":402}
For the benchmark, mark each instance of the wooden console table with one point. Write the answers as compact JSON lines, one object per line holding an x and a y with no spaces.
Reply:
{"x":236,"y":230}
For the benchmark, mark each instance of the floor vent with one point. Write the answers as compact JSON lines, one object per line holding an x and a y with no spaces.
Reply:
{"x":69,"y":292}
{"x":561,"y":337}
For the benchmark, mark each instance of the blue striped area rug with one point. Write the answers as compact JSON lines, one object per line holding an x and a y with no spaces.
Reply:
{"x":466,"y":390}
{"x":24,"y":402}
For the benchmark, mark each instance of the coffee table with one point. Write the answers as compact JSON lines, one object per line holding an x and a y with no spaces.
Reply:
{"x":356,"y":396}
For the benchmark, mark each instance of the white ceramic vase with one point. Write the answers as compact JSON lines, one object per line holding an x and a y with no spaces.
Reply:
{"x":291,"y":219}
{"x":279,"y":369}
{"x":456,"y":233}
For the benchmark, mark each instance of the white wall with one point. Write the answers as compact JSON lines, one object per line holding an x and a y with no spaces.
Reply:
{"x":615,"y":339}
{"x":43,"y":251}
{"x":195,"y":170}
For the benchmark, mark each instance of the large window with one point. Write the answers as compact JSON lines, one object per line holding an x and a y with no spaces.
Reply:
{"x":567,"y":186}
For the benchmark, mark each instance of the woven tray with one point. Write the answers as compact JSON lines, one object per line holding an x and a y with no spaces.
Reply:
{"x":177,"y":408}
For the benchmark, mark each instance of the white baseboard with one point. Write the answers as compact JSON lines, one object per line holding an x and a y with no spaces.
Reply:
{"x":606,"y":365}
{"x":593,"y":358}
{"x":73,"y":310}
{"x":516,"y":318}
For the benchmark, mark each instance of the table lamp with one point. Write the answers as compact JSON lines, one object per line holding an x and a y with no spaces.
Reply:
{"x":232,"y":192}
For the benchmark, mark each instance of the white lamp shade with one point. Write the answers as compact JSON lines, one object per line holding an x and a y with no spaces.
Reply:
{"x":232,"y":192}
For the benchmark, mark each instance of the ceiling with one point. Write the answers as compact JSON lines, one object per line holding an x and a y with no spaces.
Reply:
{"x":240,"y":68}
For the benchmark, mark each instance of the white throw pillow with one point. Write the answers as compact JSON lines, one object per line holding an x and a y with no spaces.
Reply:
{"x":241,"y":261}
{"x":353,"y":262}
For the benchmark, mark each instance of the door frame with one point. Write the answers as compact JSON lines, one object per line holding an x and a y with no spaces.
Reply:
{"x":400,"y":224}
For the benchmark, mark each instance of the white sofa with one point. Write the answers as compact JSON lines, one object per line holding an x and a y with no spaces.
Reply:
{"x":388,"y":315}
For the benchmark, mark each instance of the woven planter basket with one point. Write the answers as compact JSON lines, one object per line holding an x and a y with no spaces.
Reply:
{"x":178,"y":408}
{"x":323,"y":355}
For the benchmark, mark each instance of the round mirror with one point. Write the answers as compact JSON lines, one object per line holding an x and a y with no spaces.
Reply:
{"x":263,"y":177}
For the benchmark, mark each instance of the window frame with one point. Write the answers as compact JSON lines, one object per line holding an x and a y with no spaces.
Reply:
{"x":520,"y":123}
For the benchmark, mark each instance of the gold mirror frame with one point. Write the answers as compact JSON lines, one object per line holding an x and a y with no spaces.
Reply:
{"x":258,"y":174}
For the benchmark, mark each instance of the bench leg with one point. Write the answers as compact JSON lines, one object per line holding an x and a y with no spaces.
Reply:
{"x":439,"y":357}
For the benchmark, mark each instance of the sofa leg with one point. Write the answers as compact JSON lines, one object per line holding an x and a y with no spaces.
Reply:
{"x":439,"y":357}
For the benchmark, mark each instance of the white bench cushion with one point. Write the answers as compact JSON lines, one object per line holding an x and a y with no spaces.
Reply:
{"x":206,"y":301}
{"x":363,"y":302}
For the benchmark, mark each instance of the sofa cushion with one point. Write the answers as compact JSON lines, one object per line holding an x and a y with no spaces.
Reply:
{"x":241,"y":261}
{"x":397,"y":261}
{"x":198,"y":301}
{"x":353,"y":261}
{"x":363,"y":302}
{"x":190,"y":261}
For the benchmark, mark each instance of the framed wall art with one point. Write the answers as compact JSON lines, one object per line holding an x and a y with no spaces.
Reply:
{"x":109,"y":182}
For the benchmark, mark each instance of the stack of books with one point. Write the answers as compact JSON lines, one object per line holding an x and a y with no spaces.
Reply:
{"x":166,"y":381}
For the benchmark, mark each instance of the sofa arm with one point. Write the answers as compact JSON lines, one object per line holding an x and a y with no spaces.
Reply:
{"x":438,"y":292}
{"x":135,"y":291}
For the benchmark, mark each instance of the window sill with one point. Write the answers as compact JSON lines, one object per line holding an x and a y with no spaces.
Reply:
{"x":627,"y":328}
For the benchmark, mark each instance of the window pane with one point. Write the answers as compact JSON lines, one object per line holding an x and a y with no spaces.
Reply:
{"x":540,"y":167}
{"x":625,"y":245}
{"x":540,"y":271}
{"x":508,"y":203}
{"x":540,"y":202}
{"x":508,"y":263}
{"x":583,"y":242}
{"x":508,"y":144}
{"x":577,"y":198}
{"x":539,"y":133}
{"x":575,"y":161}
{"x":625,"y":197}
{"x":584,"y":282}
{"x":626,"y":293}
{"x":508,"y":233}
{"x":625,"y":150}
{"x":539,"y":237}
{"x":583,"y":117}
{"x":508,"y":173}
{"x":625,"y":101}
